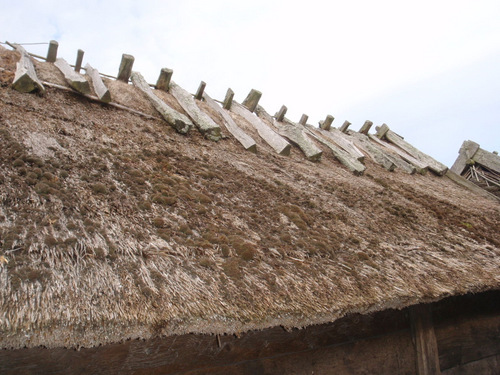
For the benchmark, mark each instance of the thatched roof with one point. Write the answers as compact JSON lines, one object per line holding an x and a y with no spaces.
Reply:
{"x":114,"y":226}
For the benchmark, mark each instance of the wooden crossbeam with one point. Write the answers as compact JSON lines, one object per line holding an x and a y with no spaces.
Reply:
{"x":100,"y":88}
{"x":25,"y":78}
{"x":75,"y":80}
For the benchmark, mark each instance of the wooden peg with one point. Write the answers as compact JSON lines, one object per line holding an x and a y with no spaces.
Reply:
{"x":366,"y":127}
{"x":252,"y":100}
{"x":280,"y":116}
{"x":344,"y":126}
{"x":199,"y":92}
{"x":125,"y":68}
{"x":303,"y":119}
{"x":79,"y":59}
{"x":327,"y":124}
{"x":52,"y":53}
{"x":228,"y":100}
{"x":164,"y":79}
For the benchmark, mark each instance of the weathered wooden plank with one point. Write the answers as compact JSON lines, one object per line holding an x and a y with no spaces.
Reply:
{"x":280,"y":116}
{"x":52,"y":51}
{"x":487,"y":159}
{"x":75,"y":80}
{"x":79,"y":59}
{"x":100,"y":88}
{"x":425,"y":340}
{"x":25,"y":78}
{"x":373,"y":151}
{"x":342,"y":156}
{"x":366,"y":127}
{"x":417,"y":164}
{"x":340,"y":139}
{"x":203,"y":122}
{"x":470,"y":185}
{"x":430,"y":162}
{"x":273,"y":139}
{"x":164,"y":78}
{"x":228,"y":100}
{"x":125,"y":70}
{"x":344,"y":126}
{"x":303,"y":119}
{"x":177,"y":120}
{"x":247,"y":142}
{"x":327,"y":123}
{"x":199,"y":92}
{"x":294,"y":133}
{"x":252,"y":100}
{"x":466,"y":152}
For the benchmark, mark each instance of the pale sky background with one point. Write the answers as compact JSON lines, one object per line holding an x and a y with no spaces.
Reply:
{"x":430,"y":69}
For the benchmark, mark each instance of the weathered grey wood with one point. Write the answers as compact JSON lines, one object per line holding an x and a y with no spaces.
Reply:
{"x":228,"y":100}
{"x":163,"y":81}
{"x":203,"y":122}
{"x":75,"y":80}
{"x":374,"y":152}
{"x":466,"y":152}
{"x":52,"y":52}
{"x":199,"y":92}
{"x":273,"y":139}
{"x":281,"y":114}
{"x":252,"y":100}
{"x":327,"y":123}
{"x":487,"y":159}
{"x":100,"y":88}
{"x":430,"y":162}
{"x":344,"y":126}
{"x":366,"y":127}
{"x":342,"y":156}
{"x":341,"y":140}
{"x":425,"y":340}
{"x":419,"y":166}
{"x":470,"y":185}
{"x":303,"y":119}
{"x":125,"y":70}
{"x":294,"y":133}
{"x":177,"y":120}
{"x":79,"y":59}
{"x":25,"y":78}
{"x":381,"y":131}
{"x":247,"y":142}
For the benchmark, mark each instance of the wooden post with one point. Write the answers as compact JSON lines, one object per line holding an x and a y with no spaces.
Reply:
{"x":280,"y":116}
{"x":79,"y":59}
{"x":381,"y":131}
{"x":425,"y":340}
{"x":228,"y":100}
{"x":303,"y":119}
{"x":199,"y":92}
{"x":366,"y":127}
{"x":327,"y":124}
{"x":252,"y":100}
{"x":74,"y":79}
{"x":125,"y":67}
{"x":25,"y":78}
{"x":344,"y":126}
{"x":100,"y":88}
{"x":52,"y":52}
{"x":164,"y":78}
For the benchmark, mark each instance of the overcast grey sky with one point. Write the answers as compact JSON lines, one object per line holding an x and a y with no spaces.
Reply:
{"x":427,"y":68}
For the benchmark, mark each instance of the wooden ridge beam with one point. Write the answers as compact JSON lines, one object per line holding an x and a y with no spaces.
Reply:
{"x":75,"y":80}
{"x":25,"y":78}
{"x":203,"y":122}
{"x":100,"y":88}
{"x":294,"y":133}
{"x":466,"y":152}
{"x":273,"y":139}
{"x":178,"y":121}
{"x":246,"y":141}
{"x":487,"y":159}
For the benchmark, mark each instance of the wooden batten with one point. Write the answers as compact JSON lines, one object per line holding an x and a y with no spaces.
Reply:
{"x":246,"y":141}
{"x":163,"y":81}
{"x":366,"y":127}
{"x":75,"y":80}
{"x":203,"y":122}
{"x":327,"y":123}
{"x":252,"y":100}
{"x":273,"y":139}
{"x":125,"y":70}
{"x":25,"y":78}
{"x":345,"y":126}
{"x":79,"y":60}
{"x":178,"y":121}
{"x":52,"y":52}
{"x":228,"y":100}
{"x":280,"y":116}
{"x":424,"y":340}
{"x":199,"y":92}
{"x":100,"y":88}
{"x":487,"y":159}
{"x":303,"y":119}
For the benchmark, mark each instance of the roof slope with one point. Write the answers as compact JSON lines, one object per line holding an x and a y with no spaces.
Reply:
{"x":114,"y":226}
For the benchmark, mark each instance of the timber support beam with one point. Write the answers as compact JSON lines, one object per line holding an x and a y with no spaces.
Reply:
{"x":425,"y":340}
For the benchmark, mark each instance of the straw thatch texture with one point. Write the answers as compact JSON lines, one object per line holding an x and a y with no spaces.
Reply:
{"x":113,"y":226}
